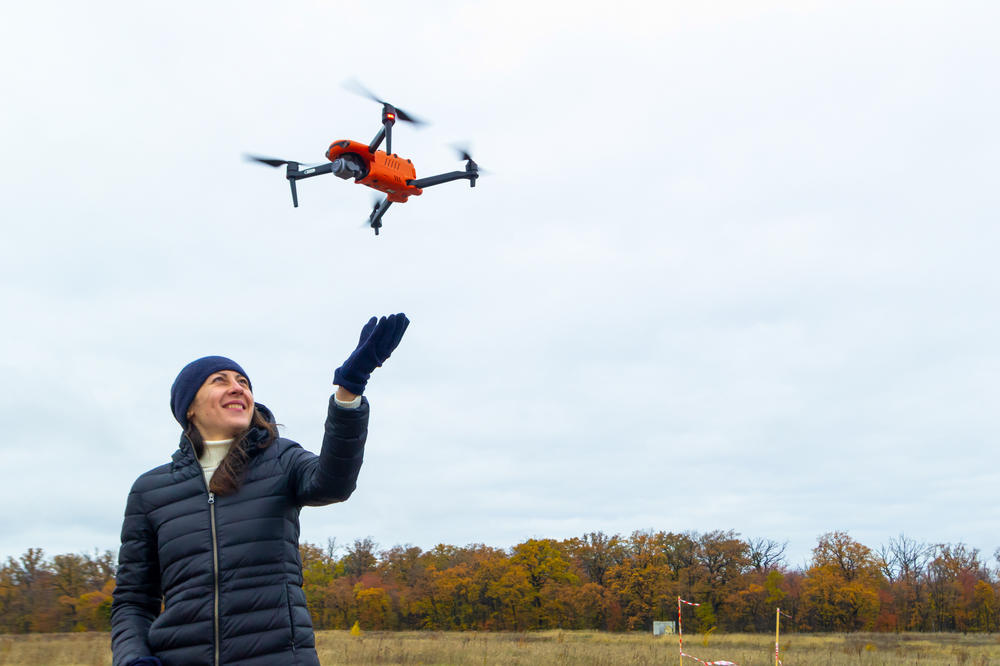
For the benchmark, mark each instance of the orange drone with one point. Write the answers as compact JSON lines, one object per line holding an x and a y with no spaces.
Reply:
{"x":382,"y":170}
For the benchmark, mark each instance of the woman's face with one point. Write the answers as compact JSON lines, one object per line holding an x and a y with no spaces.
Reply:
{"x":223,"y":406}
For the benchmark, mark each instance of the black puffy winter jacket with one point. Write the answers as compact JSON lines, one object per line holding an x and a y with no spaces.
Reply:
{"x":227,"y":569}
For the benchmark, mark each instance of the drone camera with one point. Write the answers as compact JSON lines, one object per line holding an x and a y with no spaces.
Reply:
{"x":349,"y":166}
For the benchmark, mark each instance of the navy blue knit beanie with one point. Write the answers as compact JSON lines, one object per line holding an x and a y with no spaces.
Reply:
{"x":192,"y":377}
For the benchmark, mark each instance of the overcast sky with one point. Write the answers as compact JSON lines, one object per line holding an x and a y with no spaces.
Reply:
{"x":734,"y":267}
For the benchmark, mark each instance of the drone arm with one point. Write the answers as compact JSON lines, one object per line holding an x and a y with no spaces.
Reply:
{"x":375,"y":219}
{"x":296,"y":174}
{"x":388,"y":120}
{"x":445,"y":178}
{"x":377,"y":141}
{"x":293,"y":173}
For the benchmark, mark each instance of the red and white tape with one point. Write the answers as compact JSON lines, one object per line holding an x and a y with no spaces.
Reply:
{"x":710,"y":663}
{"x":680,"y":639}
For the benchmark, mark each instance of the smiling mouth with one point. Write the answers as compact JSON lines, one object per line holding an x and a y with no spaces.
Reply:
{"x":234,"y":405}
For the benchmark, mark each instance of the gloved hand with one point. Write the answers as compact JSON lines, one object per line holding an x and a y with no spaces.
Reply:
{"x":146,"y":661}
{"x":378,"y":339}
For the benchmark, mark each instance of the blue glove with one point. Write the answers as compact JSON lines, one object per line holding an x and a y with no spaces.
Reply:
{"x":146,"y":661}
{"x":378,"y":339}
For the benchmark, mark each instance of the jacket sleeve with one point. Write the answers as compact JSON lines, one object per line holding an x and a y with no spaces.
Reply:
{"x":332,"y":475}
{"x":136,"y":600}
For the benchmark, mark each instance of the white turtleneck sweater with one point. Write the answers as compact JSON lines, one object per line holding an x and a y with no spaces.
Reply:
{"x":216,"y":450}
{"x":212,"y":455}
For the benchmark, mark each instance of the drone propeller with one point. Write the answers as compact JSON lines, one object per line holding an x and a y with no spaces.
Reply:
{"x":355,"y":87}
{"x":275,"y":162}
{"x":291,"y":172}
{"x":269,"y":161}
{"x":463,"y":153}
{"x":462,"y":150}
{"x":379,"y":206}
{"x":376,"y":202}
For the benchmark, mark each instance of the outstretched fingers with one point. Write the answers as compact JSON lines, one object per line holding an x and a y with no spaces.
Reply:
{"x":388,"y":335}
{"x":402,"y":323}
{"x":366,"y":331}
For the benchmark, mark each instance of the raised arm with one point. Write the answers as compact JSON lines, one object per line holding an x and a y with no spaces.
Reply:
{"x":332,"y":476}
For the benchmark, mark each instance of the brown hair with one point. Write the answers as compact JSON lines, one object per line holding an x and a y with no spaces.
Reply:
{"x":228,"y":477}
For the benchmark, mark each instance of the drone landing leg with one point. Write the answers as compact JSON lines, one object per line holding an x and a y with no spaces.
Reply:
{"x":292,"y":173}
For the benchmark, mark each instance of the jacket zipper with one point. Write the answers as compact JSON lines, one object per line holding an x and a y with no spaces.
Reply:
{"x":215,"y":573}
{"x":215,"y":562}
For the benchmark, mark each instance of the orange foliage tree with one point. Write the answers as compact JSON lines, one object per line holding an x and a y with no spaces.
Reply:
{"x":841,"y":589}
{"x":597,"y":581}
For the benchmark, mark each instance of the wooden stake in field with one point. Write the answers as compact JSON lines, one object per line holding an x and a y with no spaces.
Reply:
{"x":777,"y":623}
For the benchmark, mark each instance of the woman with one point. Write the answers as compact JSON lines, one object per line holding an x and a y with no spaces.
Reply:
{"x":209,"y":570}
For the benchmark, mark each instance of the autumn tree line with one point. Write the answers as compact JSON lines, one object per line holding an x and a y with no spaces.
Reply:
{"x":611,"y":583}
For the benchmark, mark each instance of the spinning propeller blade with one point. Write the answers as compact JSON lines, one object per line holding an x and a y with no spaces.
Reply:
{"x":290,"y":173}
{"x":355,"y":87}
{"x":269,"y":161}
{"x":464,"y":154}
{"x":376,"y":200}
{"x":462,"y":150}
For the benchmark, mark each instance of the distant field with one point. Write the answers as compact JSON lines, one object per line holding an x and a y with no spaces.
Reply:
{"x":568,"y":647}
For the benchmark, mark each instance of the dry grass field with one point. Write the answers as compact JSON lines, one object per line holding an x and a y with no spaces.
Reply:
{"x":576,"y":647}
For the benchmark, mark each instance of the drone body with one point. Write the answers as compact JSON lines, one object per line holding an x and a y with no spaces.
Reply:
{"x":390,"y":174}
{"x":381,"y":170}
